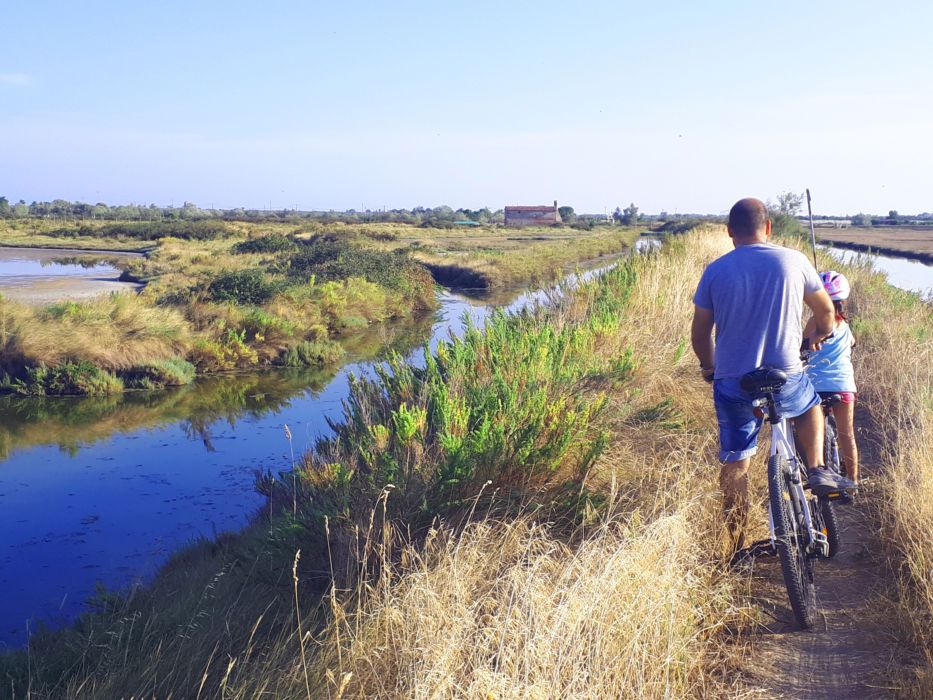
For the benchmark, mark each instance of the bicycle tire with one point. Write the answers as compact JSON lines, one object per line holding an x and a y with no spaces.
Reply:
{"x":831,"y":445}
{"x":830,"y":527}
{"x":827,"y":509}
{"x":795,"y":566}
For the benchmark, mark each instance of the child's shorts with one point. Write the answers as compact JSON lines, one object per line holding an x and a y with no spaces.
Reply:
{"x":845,"y":396}
{"x":738,"y":424}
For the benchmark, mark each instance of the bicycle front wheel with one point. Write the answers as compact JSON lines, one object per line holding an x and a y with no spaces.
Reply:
{"x":790,"y":541}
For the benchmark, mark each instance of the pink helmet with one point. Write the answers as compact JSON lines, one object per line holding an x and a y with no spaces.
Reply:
{"x":836,"y":285}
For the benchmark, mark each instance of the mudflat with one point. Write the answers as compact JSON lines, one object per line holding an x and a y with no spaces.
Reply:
{"x":32,"y":276}
{"x":910,"y":241}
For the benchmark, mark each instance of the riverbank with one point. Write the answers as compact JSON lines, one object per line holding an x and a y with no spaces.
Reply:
{"x":577,"y":444}
{"x":907,"y":242}
{"x":221,"y":295}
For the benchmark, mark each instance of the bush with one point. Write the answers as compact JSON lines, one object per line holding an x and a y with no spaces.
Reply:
{"x":332,"y":258}
{"x":273,"y":243}
{"x":312,"y":353}
{"x":159,"y":374}
{"x":66,"y":379}
{"x":243,"y":287}
{"x":149,"y":231}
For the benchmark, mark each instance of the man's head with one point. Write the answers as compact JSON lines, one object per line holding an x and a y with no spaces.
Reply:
{"x":749,"y":222}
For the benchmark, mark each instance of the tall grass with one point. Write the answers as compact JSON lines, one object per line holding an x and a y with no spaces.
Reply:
{"x":894,"y":368}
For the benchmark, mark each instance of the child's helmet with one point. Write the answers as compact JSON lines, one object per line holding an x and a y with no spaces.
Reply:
{"x":836,"y":285}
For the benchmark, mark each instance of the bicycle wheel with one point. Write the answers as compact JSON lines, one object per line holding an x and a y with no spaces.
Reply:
{"x":831,"y":445}
{"x":827,"y":509}
{"x":790,"y":543}
{"x":830,"y":526}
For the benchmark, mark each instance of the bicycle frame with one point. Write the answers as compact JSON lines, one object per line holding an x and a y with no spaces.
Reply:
{"x":782,"y":443}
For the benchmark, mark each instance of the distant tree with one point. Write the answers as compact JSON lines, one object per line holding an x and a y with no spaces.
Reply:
{"x":630,"y":215}
{"x":5,"y":208}
{"x":567,"y":214}
{"x":617,"y":215}
{"x":892,"y":216}
{"x":787,"y":203}
{"x":20,"y":210}
{"x":662,"y":215}
{"x":783,"y":214}
{"x":861,"y":219}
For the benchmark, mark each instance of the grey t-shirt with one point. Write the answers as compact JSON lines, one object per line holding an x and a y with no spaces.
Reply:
{"x":756,"y":295}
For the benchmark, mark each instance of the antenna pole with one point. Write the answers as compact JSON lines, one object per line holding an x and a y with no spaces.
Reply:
{"x":812,"y":232}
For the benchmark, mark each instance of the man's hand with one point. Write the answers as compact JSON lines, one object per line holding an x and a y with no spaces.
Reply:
{"x":707,"y":373}
{"x":823,"y":323}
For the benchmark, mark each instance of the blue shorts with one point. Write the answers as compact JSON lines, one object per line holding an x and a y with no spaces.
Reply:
{"x":738,"y":425}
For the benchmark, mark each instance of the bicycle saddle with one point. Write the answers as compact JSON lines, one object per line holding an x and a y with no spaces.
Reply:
{"x":763,"y":380}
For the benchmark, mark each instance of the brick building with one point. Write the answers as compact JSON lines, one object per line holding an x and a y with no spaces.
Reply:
{"x":532,"y":216}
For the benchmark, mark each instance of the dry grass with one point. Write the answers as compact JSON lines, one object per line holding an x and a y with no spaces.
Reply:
{"x":894,"y":369}
{"x":114,"y":332}
{"x":630,"y":607}
{"x":506,"y":610}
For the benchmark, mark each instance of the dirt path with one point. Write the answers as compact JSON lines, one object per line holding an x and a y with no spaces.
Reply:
{"x":851,"y":651}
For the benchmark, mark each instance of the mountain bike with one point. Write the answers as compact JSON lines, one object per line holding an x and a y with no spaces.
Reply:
{"x":796,"y":521}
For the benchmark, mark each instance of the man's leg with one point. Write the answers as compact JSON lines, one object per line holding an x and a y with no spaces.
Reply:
{"x":810,"y":436}
{"x":733,"y":481}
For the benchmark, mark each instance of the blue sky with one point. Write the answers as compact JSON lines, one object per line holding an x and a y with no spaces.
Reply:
{"x":674,"y":106}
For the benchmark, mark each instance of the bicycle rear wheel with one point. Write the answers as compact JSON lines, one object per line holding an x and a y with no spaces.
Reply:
{"x":790,"y":542}
{"x":831,"y":445}
{"x":831,"y":459}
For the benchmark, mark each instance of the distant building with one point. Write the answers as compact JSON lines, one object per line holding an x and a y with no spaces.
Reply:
{"x":532,"y":216}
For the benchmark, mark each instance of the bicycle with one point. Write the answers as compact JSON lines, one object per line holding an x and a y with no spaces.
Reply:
{"x":798,"y":529}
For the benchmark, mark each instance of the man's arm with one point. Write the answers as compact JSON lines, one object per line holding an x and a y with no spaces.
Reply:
{"x":701,"y":337}
{"x":824,"y":314}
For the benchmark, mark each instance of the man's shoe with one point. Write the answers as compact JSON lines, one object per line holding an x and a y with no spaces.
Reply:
{"x":823,"y":481}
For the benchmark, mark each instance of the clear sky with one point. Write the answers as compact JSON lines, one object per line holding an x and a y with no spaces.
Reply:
{"x":677,"y":106}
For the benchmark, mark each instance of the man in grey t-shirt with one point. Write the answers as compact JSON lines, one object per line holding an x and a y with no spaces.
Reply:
{"x":754,"y":296}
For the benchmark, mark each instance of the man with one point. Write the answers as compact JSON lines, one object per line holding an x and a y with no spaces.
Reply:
{"x":754,"y":296}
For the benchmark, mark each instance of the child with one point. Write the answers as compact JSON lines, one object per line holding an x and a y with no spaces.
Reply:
{"x":830,"y":370}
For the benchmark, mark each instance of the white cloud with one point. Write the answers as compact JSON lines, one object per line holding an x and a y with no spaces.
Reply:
{"x":15,"y":79}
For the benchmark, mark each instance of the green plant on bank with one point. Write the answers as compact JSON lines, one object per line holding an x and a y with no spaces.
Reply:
{"x":505,"y":405}
{"x":243,"y":287}
{"x":68,"y":378}
{"x":312,"y":353}
{"x":270,"y":243}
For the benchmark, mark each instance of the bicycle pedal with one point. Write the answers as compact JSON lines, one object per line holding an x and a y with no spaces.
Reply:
{"x":843,"y":498}
{"x":762,"y":548}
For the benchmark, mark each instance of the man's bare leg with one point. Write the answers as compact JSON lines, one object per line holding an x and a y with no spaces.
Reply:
{"x":810,"y":436}
{"x":733,"y":482}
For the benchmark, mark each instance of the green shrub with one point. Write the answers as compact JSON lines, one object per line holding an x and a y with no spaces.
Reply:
{"x":332,"y":258}
{"x":66,"y":379}
{"x":149,"y":231}
{"x":243,"y":287}
{"x":312,"y":353}
{"x":262,"y":326}
{"x":159,"y":374}
{"x":272,"y":243}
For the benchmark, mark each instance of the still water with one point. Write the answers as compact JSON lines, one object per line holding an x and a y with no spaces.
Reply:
{"x":40,"y":276}
{"x":912,"y":275}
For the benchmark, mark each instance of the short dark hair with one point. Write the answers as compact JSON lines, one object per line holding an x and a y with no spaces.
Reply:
{"x":747,"y":217}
